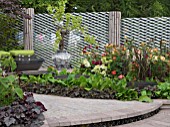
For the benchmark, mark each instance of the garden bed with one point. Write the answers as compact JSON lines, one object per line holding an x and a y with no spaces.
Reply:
{"x":88,"y":86}
{"x":77,"y":92}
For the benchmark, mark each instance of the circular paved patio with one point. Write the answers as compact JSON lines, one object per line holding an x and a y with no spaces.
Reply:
{"x":65,"y":111}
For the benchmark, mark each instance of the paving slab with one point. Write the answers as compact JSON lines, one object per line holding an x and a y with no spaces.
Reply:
{"x":65,"y":111}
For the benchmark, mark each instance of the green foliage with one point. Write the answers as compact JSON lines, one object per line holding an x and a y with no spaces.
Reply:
{"x":127,"y":95}
{"x":51,"y":69}
{"x":129,"y":8}
{"x":93,"y":82}
{"x":9,"y":90}
{"x":45,"y":79}
{"x":8,"y":63}
{"x":92,"y":6}
{"x":122,"y":92}
{"x":3,"y":54}
{"x":158,"y":9}
{"x":63,"y":72}
{"x":8,"y":33}
{"x":115,"y":86}
{"x":163,"y":90}
{"x":40,"y":6}
{"x":90,"y":39}
{"x":72,"y":23}
{"x":145,"y":96}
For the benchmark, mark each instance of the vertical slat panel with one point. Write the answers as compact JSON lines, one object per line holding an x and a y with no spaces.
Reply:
{"x":114,"y":27}
{"x":28,"y":30}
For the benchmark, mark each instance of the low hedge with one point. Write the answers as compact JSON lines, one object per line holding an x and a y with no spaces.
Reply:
{"x":22,"y":52}
{"x":3,"y":53}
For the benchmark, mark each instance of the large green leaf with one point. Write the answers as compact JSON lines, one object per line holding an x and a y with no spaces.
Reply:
{"x":143,"y":93}
{"x":19,"y":92}
{"x":145,"y":98}
{"x":52,"y":80}
{"x":13,"y":65}
{"x":24,"y":77}
{"x":10,"y":78}
{"x":87,"y":89}
{"x":61,"y":82}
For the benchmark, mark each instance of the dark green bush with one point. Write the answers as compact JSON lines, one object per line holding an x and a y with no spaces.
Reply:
{"x":8,"y":33}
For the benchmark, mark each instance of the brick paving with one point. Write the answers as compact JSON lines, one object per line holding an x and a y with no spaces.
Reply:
{"x":65,"y":111}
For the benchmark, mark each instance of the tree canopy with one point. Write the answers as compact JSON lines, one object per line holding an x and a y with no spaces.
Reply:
{"x":12,"y":8}
{"x":128,"y":8}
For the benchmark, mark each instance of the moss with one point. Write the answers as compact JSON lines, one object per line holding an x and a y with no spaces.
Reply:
{"x":3,"y":53}
{"x":22,"y":52}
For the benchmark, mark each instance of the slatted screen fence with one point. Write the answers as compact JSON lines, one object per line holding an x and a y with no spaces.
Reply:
{"x":44,"y":35}
{"x":146,"y":29}
{"x":105,"y":26}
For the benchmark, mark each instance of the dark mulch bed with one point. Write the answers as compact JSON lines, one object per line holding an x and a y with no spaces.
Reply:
{"x":141,"y":84}
{"x":77,"y":92}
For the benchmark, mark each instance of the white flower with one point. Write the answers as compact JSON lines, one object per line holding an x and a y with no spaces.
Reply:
{"x":86,"y":63}
{"x":100,"y":69}
{"x":103,"y":73}
{"x":162,"y":58}
{"x":155,"y":58}
{"x":96,"y":68}
{"x":127,"y":54}
{"x":103,"y":67}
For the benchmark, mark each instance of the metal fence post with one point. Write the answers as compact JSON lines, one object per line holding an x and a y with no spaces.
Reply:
{"x":28,"y":30}
{"x":114,"y":27}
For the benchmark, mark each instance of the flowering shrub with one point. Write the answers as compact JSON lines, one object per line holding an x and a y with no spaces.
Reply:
{"x":149,"y":62}
{"x":112,"y":63}
{"x":140,"y":63}
{"x":91,"y":58}
{"x":117,"y":60}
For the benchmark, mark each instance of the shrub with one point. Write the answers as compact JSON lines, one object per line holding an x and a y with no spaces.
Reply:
{"x":139,"y":63}
{"x":8,"y":33}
